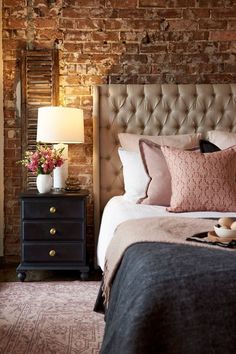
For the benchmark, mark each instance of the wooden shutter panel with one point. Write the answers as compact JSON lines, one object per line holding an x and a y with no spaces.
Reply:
{"x":39,"y":87}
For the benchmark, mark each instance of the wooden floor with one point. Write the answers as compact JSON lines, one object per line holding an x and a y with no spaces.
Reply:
{"x":8,"y":274}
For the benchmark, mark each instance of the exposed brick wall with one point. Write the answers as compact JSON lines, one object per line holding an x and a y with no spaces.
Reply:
{"x":109,"y":41}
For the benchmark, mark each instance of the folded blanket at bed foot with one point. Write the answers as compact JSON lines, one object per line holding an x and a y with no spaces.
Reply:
{"x":172,"y":299}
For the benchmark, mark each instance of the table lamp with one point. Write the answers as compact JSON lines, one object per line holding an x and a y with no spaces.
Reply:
{"x":61,"y":126}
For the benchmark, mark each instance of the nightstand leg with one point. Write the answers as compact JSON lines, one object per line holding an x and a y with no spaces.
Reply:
{"x":21,"y":276}
{"x":84,"y":275}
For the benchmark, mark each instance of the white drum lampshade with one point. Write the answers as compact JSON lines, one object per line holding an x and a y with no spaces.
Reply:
{"x":61,"y":126}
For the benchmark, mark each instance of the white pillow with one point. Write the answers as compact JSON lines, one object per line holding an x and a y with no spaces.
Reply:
{"x":135,"y":176}
{"x":222,"y":139}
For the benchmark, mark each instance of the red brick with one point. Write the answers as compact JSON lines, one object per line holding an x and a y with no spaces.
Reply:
{"x":200,"y":35}
{"x":121,"y":3}
{"x":96,"y":48}
{"x":185,"y":3}
{"x":192,"y":13}
{"x":45,"y":23}
{"x":116,"y":24}
{"x":182,"y":25}
{"x":231,"y":25}
{"x":130,"y":48}
{"x":73,"y":47}
{"x":223,"y":13}
{"x":213,"y":3}
{"x":133,"y":13}
{"x":131,"y":36}
{"x":84,"y":3}
{"x":12,"y":44}
{"x":212,"y":24}
{"x":50,"y":34}
{"x":152,"y":3}
{"x":40,"y":3}
{"x":14,"y":23}
{"x":146,"y":24}
{"x":88,"y":24}
{"x":14,"y":3}
{"x":155,"y":48}
{"x":165,"y":13}
{"x":105,"y":36}
{"x":137,"y":69}
{"x":223,"y":35}
{"x":77,"y":35}
{"x":67,"y":23}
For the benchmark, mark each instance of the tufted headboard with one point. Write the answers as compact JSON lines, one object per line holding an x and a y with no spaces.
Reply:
{"x":151,"y":110}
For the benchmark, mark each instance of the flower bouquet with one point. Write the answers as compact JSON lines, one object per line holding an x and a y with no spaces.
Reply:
{"x":42,"y":162}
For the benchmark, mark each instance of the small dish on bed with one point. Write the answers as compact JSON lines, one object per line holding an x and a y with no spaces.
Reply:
{"x":225,"y":233}
{"x":212,"y":237}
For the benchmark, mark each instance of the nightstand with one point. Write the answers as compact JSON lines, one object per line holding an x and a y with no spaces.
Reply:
{"x":53,"y":232}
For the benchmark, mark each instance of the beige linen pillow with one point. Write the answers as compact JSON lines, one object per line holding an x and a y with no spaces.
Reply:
{"x":130,"y":142}
{"x":222,"y":139}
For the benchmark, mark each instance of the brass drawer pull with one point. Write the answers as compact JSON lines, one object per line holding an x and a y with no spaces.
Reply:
{"x":53,"y":231}
{"x":52,"y":210}
{"x":52,"y":253}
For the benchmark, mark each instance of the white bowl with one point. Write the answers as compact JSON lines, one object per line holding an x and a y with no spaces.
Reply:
{"x":221,"y":232}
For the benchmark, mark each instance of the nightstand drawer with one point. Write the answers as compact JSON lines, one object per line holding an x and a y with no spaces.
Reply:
{"x":53,"y":230}
{"x":52,"y":208}
{"x":53,"y":252}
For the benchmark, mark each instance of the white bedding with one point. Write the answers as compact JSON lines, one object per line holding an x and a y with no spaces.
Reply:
{"x":118,"y":209}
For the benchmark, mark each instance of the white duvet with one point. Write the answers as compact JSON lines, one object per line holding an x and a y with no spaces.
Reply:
{"x":118,"y":209}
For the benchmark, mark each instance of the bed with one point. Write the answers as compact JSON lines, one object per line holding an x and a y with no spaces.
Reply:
{"x":165,"y":296}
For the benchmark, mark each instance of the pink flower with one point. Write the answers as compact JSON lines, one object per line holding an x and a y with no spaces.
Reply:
{"x":43,"y":160}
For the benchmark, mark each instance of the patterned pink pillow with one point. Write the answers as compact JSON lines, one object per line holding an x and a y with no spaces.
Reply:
{"x":202,"y":181}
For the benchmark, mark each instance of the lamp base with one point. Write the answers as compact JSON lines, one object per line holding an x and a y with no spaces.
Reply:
{"x":59,"y":178}
{"x":60,"y":174}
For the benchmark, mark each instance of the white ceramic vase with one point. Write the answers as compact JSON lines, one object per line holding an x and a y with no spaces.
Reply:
{"x":44,"y":183}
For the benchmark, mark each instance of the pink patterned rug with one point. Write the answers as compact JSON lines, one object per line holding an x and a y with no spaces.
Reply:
{"x":49,"y":317}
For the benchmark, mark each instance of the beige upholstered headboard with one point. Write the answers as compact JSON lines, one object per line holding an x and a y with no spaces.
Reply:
{"x":152,"y":110}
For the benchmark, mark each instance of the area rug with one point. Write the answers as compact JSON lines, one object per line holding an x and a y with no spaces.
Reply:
{"x":50,"y":317}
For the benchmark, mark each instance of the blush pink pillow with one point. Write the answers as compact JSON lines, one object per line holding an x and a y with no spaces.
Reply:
{"x":159,"y":187}
{"x":202,"y":181}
